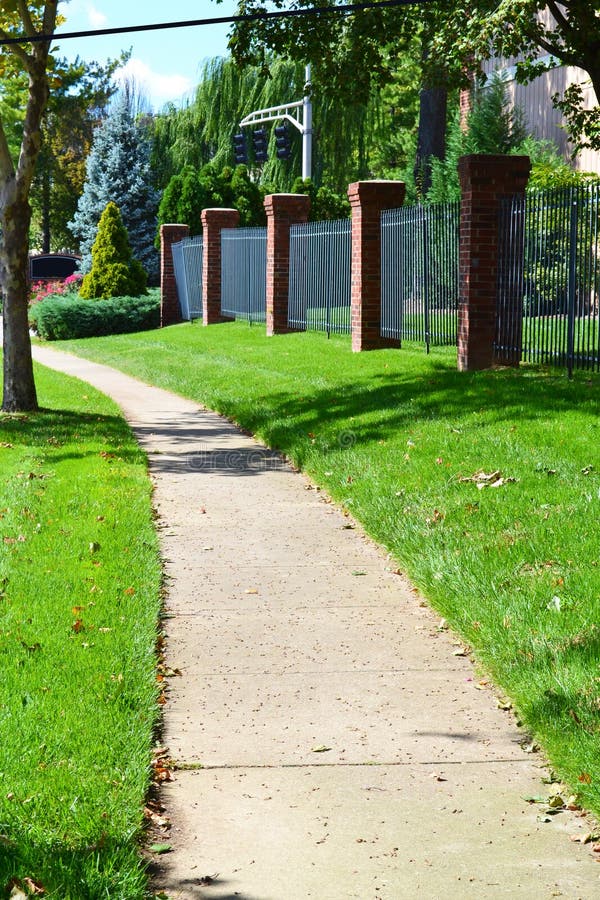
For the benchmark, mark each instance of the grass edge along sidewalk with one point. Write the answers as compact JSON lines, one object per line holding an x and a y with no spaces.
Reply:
{"x":80,"y":588}
{"x":484,"y":486}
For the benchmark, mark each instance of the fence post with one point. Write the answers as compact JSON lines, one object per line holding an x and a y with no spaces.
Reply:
{"x":484,"y":181}
{"x":368,"y":199}
{"x":213,"y":222}
{"x":283,"y":210}
{"x":170,"y":311}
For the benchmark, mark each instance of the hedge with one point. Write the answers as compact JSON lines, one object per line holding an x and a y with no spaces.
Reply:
{"x":61,"y":317}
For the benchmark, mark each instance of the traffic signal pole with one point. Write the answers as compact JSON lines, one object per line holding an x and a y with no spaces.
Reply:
{"x":307,"y":127}
{"x":299,"y":114}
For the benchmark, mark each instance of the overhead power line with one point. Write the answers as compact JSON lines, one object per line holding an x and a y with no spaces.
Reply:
{"x":222,"y":20}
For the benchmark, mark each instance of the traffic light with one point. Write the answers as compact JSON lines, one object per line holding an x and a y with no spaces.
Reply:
{"x":259,"y":141}
{"x":240,"y":151}
{"x":282,"y":141}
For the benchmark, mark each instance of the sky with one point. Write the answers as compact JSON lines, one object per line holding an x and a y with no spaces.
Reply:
{"x":164,"y":64}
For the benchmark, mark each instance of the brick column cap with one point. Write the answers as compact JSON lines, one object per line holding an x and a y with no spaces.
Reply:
{"x":174,"y":226}
{"x":386,"y":194}
{"x":486,"y":167}
{"x":219,"y":213}
{"x":295,"y":204}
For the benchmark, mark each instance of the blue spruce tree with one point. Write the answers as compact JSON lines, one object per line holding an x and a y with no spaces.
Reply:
{"x":118,"y":170}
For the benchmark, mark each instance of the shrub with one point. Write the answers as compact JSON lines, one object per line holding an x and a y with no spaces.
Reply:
{"x":68,"y":316}
{"x":115,"y":273}
{"x":325,"y":203}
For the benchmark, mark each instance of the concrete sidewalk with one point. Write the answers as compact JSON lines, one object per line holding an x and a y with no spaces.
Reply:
{"x":328,"y":742}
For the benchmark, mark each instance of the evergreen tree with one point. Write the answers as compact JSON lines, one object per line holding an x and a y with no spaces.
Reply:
{"x":114,"y":272}
{"x":493,"y":126}
{"x":118,"y":170}
{"x":191,"y":191}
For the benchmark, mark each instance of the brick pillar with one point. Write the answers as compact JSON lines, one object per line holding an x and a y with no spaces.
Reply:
{"x":283,"y":210}
{"x":368,"y":199}
{"x":213,"y":222}
{"x":464,"y":106}
{"x":170,"y":311}
{"x":484,"y":181}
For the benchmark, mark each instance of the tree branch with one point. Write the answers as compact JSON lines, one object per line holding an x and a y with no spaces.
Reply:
{"x":26,"y":18}
{"x":50,"y":13}
{"x":559,"y":16}
{"x":15,"y":49}
{"x":7,"y":168}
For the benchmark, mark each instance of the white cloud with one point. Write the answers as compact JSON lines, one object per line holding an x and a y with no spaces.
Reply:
{"x":81,"y":14}
{"x":160,"y":89}
{"x":97,"y":18}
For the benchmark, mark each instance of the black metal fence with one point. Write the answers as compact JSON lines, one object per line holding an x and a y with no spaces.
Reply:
{"x":549,"y":278}
{"x":320,"y":270}
{"x":244,"y":273}
{"x":187,"y":264}
{"x":419,"y":273}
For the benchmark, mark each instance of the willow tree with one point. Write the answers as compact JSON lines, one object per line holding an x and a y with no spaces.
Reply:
{"x":352,"y":140}
{"x":26,"y":20}
{"x":355,"y":54}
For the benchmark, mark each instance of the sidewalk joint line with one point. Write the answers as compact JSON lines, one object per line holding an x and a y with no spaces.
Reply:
{"x":225,"y":767}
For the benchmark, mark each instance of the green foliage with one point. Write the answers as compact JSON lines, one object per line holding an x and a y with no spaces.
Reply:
{"x":324,"y":203}
{"x":548,"y":168}
{"x":61,"y":317}
{"x":493,"y":126}
{"x":542,"y":35}
{"x":114,"y":273}
{"x":118,"y":170}
{"x":191,"y":191}
{"x":81,"y":93}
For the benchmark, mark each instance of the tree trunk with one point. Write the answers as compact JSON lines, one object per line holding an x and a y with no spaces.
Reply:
{"x":433,"y":108}
{"x":431,"y":138}
{"x":19,"y":394}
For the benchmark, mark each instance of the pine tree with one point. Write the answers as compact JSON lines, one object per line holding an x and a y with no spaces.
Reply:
{"x":118,"y":170}
{"x":114,"y":272}
{"x":495,"y":124}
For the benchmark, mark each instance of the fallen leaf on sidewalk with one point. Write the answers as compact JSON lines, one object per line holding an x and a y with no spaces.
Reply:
{"x":160,"y":848}
{"x":585,"y":837}
{"x":320,"y":749}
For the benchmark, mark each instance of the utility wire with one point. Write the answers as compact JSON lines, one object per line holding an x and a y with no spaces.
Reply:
{"x":223,"y":20}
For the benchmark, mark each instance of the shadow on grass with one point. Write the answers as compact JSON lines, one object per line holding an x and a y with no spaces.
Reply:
{"x":113,"y":868}
{"x":55,"y":428}
{"x":377,"y":406}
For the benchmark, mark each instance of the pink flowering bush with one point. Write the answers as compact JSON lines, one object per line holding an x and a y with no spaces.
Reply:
{"x":42,"y":289}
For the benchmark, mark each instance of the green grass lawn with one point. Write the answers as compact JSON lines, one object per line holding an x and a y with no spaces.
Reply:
{"x":80,"y":585}
{"x":400,"y":439}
